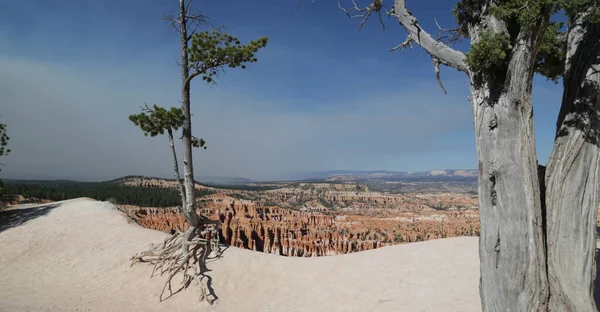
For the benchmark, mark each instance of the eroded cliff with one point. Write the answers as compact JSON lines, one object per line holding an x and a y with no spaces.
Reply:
{"x":286,"y":232}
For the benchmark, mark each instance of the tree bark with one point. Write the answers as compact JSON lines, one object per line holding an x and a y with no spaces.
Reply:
{"x":572,"y":175}
{"x":511,"y":243}
{"x":511,"y":248}
{"x":189,"y":208}
{"x":176,"y":167}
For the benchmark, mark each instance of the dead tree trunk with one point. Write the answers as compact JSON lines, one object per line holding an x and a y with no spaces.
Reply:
{"x":511,"y":248}
{"x":572,"y":175}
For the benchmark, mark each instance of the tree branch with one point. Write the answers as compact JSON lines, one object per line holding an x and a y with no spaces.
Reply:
{"x":436,"y":66}
{"x":452,"y":35}
{"x":197,"y":20}
{"x":188,"y":7}
{"x":438,"y":50}
{"x":174,"y":21}
{"x":146,"y":108}
{"x":403,"y":45}
{"x":193,"y":75}
{"x":364,"y":13}
{"x":176,"y":167}
{"x":213,"y":67}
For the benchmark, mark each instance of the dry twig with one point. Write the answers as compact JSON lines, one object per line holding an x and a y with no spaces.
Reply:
{"x":364,"y":13}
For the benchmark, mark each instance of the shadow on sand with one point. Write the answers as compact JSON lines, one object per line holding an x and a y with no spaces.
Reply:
{"x":10,"y":218}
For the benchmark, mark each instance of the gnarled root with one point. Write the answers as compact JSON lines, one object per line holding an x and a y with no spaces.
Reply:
{"x":184,"y":253}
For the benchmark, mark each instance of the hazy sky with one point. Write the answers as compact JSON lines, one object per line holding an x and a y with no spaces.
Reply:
{"x":321,"y":97}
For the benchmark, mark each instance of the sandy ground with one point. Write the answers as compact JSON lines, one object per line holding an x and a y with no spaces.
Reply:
{"x":74,"y":256}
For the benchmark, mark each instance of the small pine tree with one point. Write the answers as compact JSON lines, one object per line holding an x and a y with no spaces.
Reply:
{"x":205,"y":54}
{"x":156,"y":121}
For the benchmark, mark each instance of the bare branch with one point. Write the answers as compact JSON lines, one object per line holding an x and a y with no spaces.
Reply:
{"x":146,"y":108}
{"x":174,"y":21}
{"x":404,"y":44}
{"x":196,"y":20}
{"x":197,"y":17}
{"x":437,"y":49}
{"x":364,"y":13}
{"x":450,"y":35}
{"x":442,"y":52}
{"x":189,"y":37}
{"x":188,"y":7}
{"x":436,"y":65}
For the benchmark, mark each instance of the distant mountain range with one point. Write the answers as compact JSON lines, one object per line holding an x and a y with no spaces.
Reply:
{"x":224,"y":180}
{"x":468,"y":175}
{"x":212,"y":180}
{"x":462,"y":176}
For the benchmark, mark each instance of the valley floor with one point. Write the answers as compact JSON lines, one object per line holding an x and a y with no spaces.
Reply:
{"x":74,"y":255}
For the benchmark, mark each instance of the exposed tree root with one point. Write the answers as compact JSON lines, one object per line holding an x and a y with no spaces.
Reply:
{"x":184,"y":253}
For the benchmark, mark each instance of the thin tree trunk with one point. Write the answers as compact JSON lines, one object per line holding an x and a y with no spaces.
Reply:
{"x":572,"y":175}
{"x":176,"y":168}
{"x":511,"y":243}
{"x":189,"y":210}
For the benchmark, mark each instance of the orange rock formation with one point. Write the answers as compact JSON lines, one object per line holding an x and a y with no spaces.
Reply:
{"x":305,"y":234}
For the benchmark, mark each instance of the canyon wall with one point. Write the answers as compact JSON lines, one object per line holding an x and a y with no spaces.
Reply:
{"x":286,"y":232}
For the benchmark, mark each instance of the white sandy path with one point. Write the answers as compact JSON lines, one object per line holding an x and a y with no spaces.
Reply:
{"x":75,"y":258}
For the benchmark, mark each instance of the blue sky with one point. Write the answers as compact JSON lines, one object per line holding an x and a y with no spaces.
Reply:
{"x":321,"y":97}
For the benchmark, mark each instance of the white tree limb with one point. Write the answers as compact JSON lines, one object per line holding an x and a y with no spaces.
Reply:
{"x":404,"y":44}
{"x":438,"y":50}
{"x":436,"y":66}
{"x":364,"y":13}
{"x":196,"y":20}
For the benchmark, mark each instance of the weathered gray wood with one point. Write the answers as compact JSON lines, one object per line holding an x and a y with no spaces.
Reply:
{"x":511,"y":243}
{"x":438,"y":50}
{"x":511,"y":249}
{"x":572,"y":175}
{"x":511,"y":246}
